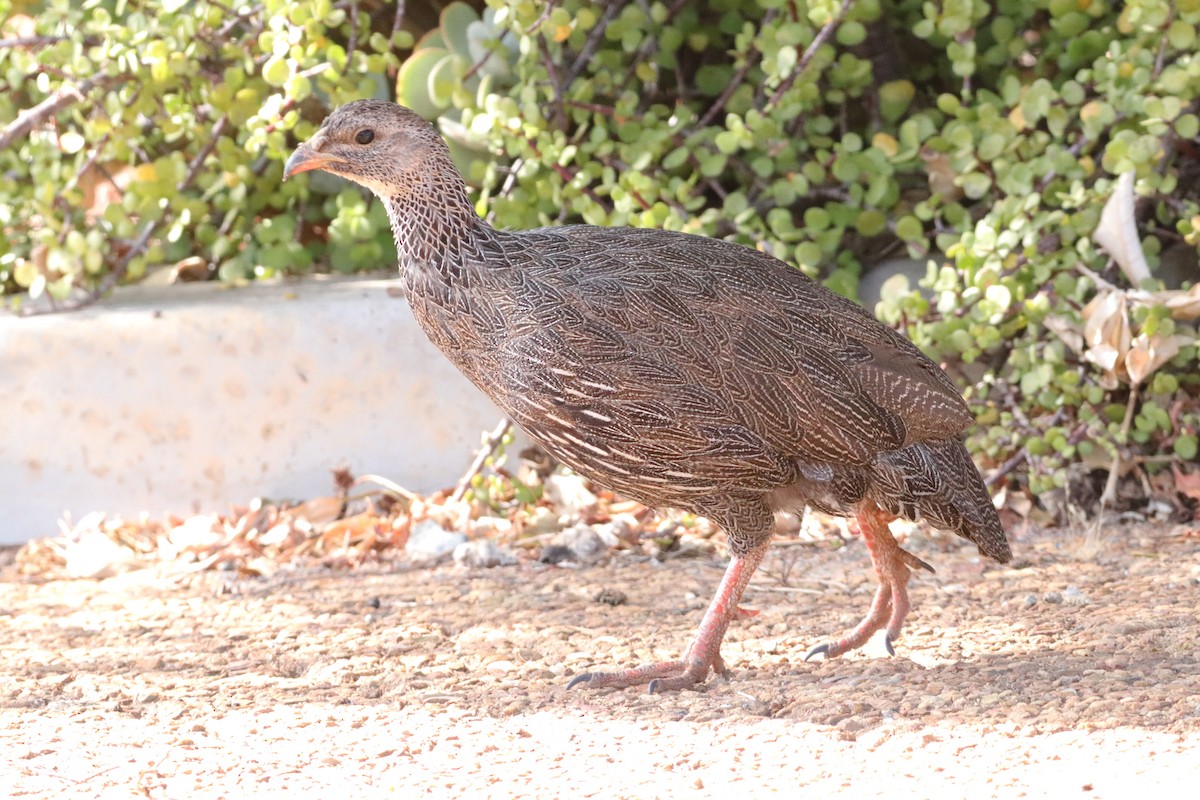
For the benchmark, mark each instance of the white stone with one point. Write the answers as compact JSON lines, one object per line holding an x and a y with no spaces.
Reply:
{"x":483,"y":553}
{"x":429,"y":541}
{"x":584,"y":542}
{"x":569,"y":494}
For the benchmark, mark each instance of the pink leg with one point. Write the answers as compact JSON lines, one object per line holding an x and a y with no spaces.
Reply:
{"x":893,"y":566}
{"x":704,"y":653}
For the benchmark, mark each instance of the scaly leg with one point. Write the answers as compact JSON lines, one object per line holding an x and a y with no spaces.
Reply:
{"x":890,"y":606}
{"x":704,"y":653}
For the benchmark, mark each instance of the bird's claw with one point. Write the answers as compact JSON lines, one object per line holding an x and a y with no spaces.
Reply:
{"x":916,"y":563}
{"x":834,"y":649}
{"x":583,"y":677}
{"x":667,"y":676}
{"x":819,"y":650}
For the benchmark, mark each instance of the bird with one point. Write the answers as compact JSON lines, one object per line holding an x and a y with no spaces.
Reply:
{"x":680,"y":371}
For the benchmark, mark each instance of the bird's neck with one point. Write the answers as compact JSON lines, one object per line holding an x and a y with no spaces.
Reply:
{"x":434,"y":224}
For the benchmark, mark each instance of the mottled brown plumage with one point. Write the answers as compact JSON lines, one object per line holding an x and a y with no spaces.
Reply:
{"x":678,"y":370}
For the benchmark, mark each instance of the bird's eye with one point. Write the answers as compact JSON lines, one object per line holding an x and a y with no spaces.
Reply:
{"x":365,"y":136}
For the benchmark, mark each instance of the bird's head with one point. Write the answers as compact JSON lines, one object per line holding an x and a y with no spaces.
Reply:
{"x":371,"y":142}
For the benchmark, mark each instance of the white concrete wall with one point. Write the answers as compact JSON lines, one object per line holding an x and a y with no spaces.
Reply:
{"x":197,"y":397}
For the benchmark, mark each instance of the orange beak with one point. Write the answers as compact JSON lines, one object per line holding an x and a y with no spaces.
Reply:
{"x":306,"y":158}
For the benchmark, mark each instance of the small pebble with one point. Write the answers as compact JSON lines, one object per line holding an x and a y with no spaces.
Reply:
{"x":555,"y":554}
{"x":611,"y":597}
{"x":569,"y":494}
{"x":1053,"y":597}
{"x":584,"y":542}
{"x":491,"y":526}
{"x":483,"y":553}
{"x":1073,"y":597}
{"x":429,"y":541}
{"x":1030,"y":600}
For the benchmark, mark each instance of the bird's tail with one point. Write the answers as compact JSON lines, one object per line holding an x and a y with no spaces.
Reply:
{"x":937,"y":481}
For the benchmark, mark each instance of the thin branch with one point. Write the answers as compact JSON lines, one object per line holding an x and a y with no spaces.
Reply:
{"x":64,"y":97}
{"x":389,"y":485}
{"x":1110,"y":486}
{"x":489,"y":446}
{"x":591,"y":45}
{"x":352,"y":43}
{"x":398,"y":20}
{"x":1007,"y":467}
{"x":568,"y":176}
{"x":509,"y":182}
{"x":198,"y":162}
{"x":537,"y":23}
{"x":811,"y":51}
{"x":738,"y":78}
{"x":43,"y":41}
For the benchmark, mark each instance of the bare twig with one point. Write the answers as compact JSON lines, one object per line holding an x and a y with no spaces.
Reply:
{"x":1110,"y":486}
{"x":739,"y":77}
{"x":236,"y":18}
{"x":590,"y":46}
{"x":811,"y":51}
{"x":198,"y":162}
{"x":758,"y":587}
{"x":489,"y":446}
{"x":568,"y":176}
{"x":1007,"y":467}
{"x":66,"y":96}
{"x":387,"y":484}
{"x":110,"y":280}
{"x":42,"y":41}
{"x":1160,"y":58}
{"x":509,"y":182}
{"x":398,"y":20}
{"x":478,"y":65}
{"x":545,"y":15}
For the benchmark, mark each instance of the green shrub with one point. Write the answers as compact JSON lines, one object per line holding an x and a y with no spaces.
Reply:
{"x":982,"y":137}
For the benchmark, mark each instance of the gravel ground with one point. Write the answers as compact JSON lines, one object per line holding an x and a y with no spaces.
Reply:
{"x":1074,"y":672}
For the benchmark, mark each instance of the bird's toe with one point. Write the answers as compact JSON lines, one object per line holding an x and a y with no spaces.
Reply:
{"x":820,"y":650}
{"x":584,"y":677}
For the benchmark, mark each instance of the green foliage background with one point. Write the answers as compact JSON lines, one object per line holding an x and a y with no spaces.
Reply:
{"x":983,"y":137}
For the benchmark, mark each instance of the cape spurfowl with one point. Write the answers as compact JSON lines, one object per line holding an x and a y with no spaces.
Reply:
{"x":677,"y":370}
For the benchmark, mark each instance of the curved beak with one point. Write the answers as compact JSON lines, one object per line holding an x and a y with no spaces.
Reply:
{"x":305,"y":158}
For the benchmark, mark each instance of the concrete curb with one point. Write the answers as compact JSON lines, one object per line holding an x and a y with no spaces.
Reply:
{"x":196,"y":397}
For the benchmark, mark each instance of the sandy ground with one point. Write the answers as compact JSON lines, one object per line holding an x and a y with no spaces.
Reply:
{"x":1073,"y":673}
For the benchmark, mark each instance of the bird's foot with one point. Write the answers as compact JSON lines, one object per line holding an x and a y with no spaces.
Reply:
{"x":893,"y":566}
{"x":704,"y":653}
{"x":883,"y":611}
{"x":666,"y":676}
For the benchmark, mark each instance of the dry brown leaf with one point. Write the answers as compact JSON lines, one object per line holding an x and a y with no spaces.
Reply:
{"x":1067,"y":330}
{"x":1106,"y":331}
{"x":104,"y":185}
{"x":1148,"y":353}
{"x":1183,"y":305}
{"x":941,"y":174}
{"x":351,"y":529}
{"x":319,"y":510}
{"x":1117,"y":231}
{"x":1187,"y":484}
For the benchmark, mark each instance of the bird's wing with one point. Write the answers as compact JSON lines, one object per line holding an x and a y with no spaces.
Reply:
{"x":669,"y":353}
